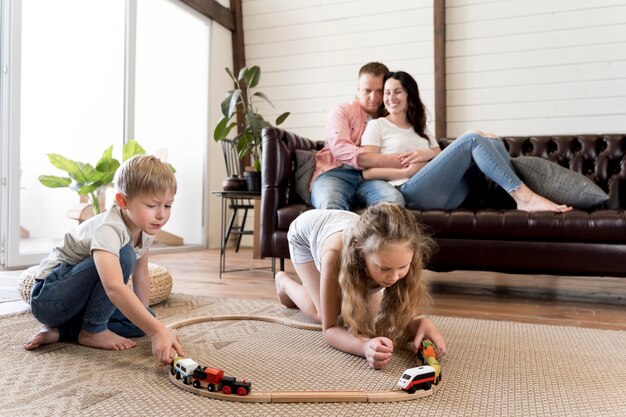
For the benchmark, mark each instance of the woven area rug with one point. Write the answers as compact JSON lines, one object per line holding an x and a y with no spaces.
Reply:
{"x":492,"y":369}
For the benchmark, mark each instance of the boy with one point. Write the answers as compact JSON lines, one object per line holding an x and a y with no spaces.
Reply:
{"x":82,"y":281}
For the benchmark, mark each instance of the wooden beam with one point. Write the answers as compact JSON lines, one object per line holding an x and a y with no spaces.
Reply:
{"x":239,"y":52}
{"x":215,"y":11}
{"x":440,"y":68}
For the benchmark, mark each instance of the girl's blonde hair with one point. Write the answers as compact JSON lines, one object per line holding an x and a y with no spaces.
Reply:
{"x":144,"y":174}
{"x":379,"y":227}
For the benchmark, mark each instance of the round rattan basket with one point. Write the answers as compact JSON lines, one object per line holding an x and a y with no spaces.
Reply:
{"x":160,"y":283}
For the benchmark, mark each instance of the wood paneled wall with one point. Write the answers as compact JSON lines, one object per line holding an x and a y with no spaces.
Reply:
{"x":523,"y":67}
{"x":512,"y":66}
{"x":310,"y":51}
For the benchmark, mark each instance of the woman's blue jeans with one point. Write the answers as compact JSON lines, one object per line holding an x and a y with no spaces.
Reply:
{"x":72,"y":298}
{"x":446,"y":180}
{"x":343,"y":188}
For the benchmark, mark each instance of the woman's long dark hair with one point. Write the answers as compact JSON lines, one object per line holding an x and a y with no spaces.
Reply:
{"x":416,"y":111}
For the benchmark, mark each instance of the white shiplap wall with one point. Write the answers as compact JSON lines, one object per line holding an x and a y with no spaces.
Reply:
{"x":310,"y":51}
{"x":520,"y":67}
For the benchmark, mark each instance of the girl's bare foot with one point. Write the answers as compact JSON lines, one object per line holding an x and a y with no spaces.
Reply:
{"x":45,"y":336}
{"x":280,"y":291}
{"x":528,"y":200}
{"x":105,"y":340}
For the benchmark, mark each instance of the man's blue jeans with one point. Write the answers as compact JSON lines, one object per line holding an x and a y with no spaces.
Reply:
{"x":343,"y":188}
{"x":72,"y":298}
{"x":446,"y":180}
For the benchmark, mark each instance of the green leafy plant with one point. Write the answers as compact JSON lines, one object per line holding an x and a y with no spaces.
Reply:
{"x":86,"y":179}
{"x":248,"y":139}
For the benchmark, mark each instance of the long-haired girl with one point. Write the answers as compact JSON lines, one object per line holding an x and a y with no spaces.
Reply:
{"x":361,"y":279}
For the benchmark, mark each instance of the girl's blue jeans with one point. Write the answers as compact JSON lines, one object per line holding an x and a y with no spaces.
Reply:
{"x":72,"y":298}
{"x":446,"y":180}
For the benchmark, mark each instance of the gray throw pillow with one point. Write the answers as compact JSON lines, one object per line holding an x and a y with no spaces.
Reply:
{"x":305,"y":165}
{"x":559,"y":184}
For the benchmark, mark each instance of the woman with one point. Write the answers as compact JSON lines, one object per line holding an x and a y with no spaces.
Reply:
{"x":432,"y":178}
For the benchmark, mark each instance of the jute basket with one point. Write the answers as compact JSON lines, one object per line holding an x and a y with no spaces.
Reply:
{"x":160,"y":283}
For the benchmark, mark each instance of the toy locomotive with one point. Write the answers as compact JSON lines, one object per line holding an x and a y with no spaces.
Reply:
{"x":422,"y":377}
{"x":210,"y":378}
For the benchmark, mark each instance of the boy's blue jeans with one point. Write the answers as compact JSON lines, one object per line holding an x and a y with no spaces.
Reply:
{"x":343,"y":188}
{"x":72,"y":298}
{"x":446,"y":180}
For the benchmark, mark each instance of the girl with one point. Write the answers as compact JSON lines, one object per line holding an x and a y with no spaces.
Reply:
{"x":435,"y":179}
{"x":361,"y":279}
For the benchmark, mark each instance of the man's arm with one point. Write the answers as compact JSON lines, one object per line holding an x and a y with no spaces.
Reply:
{"x":371,"y":157}
{"x":339,"y":138}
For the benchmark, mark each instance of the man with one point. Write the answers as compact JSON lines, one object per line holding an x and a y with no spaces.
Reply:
{"x":337,"y":182}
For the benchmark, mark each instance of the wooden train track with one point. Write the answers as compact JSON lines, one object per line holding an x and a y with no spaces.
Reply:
{"x":292,"y":396}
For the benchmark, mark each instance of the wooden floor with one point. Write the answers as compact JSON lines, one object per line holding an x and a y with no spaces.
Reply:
{"x":595,"y":302}
{"x":523,"y":298}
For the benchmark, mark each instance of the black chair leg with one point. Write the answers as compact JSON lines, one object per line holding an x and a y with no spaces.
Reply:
{"x":230,"y":226}
{"x":282,"y":264}
{"x":241,"y":228}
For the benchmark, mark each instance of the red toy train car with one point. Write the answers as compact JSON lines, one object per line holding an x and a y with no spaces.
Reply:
{"x":212,"y":379}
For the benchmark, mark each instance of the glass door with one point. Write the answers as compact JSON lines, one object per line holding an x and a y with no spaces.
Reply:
{"x":67,"y":98}
{"x":79,"y":76}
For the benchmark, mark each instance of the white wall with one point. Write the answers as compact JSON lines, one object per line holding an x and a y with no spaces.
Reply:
{"x":522,"y":67}
{"x":513,"y":66}
{"x":310,"y":51}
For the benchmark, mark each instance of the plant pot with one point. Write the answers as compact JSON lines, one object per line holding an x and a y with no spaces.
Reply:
{"x":234,"y":183}
{"x":253,"y":180}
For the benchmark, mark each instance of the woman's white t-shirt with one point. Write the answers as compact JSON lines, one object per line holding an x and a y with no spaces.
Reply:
{"x":392,"y":139}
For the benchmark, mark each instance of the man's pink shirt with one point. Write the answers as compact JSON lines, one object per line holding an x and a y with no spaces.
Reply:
{"x":344,"y":127}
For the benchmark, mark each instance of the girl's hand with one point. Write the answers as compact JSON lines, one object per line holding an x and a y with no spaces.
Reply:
{"x":426,"y":329}
{"x":378,"y":352}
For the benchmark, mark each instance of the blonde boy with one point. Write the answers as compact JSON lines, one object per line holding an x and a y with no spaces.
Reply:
{"x":83,"y":280}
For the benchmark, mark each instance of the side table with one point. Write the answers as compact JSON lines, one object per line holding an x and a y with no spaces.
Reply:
{"x":227,"y":196}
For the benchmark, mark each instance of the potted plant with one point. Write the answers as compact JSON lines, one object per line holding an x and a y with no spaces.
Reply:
{"x":248,"y":138}
{"x":87,"y":180}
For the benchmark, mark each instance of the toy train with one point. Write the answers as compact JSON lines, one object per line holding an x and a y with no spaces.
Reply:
{"x":211,"y":379}
{"x":422,"y":377}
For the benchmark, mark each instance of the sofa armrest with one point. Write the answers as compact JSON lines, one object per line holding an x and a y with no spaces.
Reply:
{"x":277,"y":180}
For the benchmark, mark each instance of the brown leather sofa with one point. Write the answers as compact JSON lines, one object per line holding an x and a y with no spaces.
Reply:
{"x":486,"y":233}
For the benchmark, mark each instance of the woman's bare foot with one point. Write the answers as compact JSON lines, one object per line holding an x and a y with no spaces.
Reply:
{"x":528,"y":200}
{"x":105,"y":340}
{"x":280,"y":291}
{"x":45,"y":336}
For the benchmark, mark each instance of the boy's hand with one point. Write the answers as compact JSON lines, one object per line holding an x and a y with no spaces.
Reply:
{"x":162,"y":344}
{"x":378,"y":352}
{"x":426,"y":329}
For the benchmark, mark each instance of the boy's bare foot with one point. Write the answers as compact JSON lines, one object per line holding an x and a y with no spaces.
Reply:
{"x":280,"y":291}
{"x":105,"y":340}
{"x":528,"y":200}
{"x":45,"y":336}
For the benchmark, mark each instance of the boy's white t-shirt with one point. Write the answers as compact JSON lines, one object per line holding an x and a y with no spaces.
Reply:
{"x":106,"y":231}
{"x":392,"y":139}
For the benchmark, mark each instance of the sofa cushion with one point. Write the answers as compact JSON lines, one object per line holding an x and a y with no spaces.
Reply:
{"x":305,"y":165}
{"x":557,"y":183}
